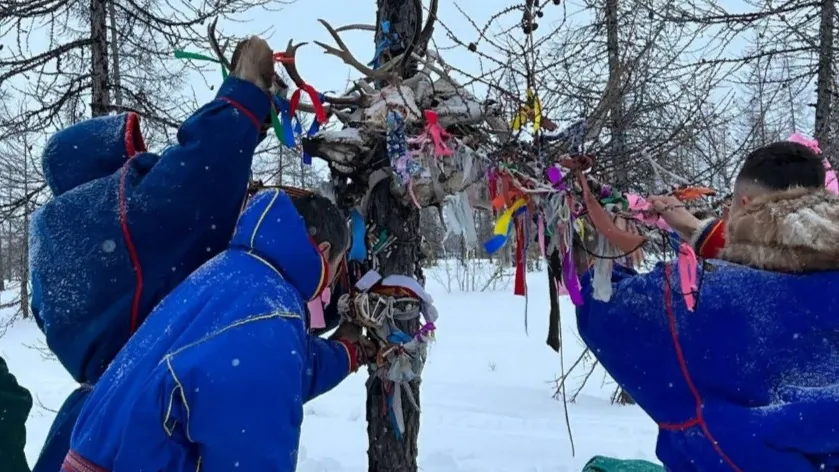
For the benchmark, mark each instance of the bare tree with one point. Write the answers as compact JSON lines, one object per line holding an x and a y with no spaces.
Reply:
{"x":81,"y":72}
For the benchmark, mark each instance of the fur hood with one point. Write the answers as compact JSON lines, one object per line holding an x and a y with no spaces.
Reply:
{"x":796,"y":230}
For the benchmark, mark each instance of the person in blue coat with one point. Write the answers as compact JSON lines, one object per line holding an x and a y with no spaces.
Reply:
{"x":749,"y":379}
{"x":216,"y":378}
{"x":124,"y":226}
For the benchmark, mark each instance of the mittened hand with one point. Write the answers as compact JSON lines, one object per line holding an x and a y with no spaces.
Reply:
{"x":368,"y":350}
{"x":362,"y":350}
{"x":253,"y":60}
{"x":348,"y":331}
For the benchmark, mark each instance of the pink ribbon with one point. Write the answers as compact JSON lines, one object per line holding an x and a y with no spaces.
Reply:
{"x":687,"y":274}
{"x":811,"y":143}
{"x":317,"y":319}
{"x":435,"y":133}
{"x":642,"y":210}
{"x":830,"y":181}
{"x":560,"y":289}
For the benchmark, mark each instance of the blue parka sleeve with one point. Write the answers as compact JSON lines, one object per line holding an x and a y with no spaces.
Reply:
{"x":632,"y":319}
{"x":207,"y":171}
{"x":805,"y":421}
{"x":329,"y":363}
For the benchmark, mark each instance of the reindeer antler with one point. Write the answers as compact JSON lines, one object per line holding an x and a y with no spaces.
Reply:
{"x":289,"y":63}
{"x":218,"y":50}
{"x":342,"y":52}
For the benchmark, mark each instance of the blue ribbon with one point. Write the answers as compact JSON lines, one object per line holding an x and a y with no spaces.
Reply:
{"x":493,"y":244}
{"x":284,"y":107}
{"x":358,"y":250}
{"x":392,"y":415}
{"x":675,"y":241}
{"x":398,"y":337}
{"x":313,"y":129}
{"x":388,"y":41}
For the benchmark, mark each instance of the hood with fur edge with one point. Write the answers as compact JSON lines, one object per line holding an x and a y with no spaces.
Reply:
{"x":796,"y":231}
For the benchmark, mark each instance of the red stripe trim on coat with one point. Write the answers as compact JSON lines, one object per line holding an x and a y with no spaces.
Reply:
{"x":244,"y":110}
{"x":133,"y":144}
{"x":699,"y":419}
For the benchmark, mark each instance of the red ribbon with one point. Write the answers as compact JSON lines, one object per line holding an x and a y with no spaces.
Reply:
{"x":282,"y":58}
{"x":320,"y":113}
{"x":521,"y":268}
{"x":314,"y":96}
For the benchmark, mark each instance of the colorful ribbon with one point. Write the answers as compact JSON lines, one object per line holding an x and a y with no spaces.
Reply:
{"x":317,"y":319}
{"x":314,"y":96}
{"x":555,"y":177}
{"x":435,"y":133}
{"x":389,"y":40}
{"x":358,"y":250}
{"x":830,"y":181}
{"x":180,"y":54}
{"x":569,"y":276}
{"x":642,"y":210}
{"x":532,"y":107}
{"x":504,"y":225}
{"x":284,"y":128}
{"x":287,"y":126}
{"x":687,"y":274}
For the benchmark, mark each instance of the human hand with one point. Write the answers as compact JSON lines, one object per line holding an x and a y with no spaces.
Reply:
{"x":253,"y":61}
{"x":348,"y":331}
{"x":363,"y":348}
{"x":674,"y":213}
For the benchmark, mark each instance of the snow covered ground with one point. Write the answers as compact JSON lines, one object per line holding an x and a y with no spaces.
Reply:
{"x":486,"y":395}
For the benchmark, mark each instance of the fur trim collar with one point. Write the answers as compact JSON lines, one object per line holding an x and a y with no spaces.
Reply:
{"x":796,"y":230}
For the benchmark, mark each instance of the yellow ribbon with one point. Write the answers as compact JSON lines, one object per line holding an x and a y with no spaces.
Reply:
{"x":533,"y":106}
{"x":502,"y":225}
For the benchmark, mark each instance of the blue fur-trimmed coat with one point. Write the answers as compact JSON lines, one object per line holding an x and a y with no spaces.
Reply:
{"x":748,"y":381}
{"x":125,"y":226}
{"x":218,"y":374}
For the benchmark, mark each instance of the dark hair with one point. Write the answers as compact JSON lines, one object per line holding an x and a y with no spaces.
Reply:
{"x":783,"y":165}
{"x":324,"y":222}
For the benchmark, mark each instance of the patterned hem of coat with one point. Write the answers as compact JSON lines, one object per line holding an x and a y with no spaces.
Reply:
{"x":76,"y":463}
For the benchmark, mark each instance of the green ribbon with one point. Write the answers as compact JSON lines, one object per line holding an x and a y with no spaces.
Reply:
{"x":179,"y":54}
{"x":275,"y":123}
{"x":616,"y":199}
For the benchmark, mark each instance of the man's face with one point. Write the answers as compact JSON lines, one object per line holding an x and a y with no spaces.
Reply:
{"x":333,"y":266}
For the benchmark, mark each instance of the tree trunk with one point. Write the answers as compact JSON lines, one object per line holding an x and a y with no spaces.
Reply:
{"x":112,"y":15}
{"x":100,"y":100}
{"x":2,"y":266}
{"x":386,"y":452}
{"x":24,"y":253}
{"x":617,"y":123}
{"x":824,"y":79}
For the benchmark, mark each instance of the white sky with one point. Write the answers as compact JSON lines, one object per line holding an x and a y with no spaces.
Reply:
{"x":298,"y":21}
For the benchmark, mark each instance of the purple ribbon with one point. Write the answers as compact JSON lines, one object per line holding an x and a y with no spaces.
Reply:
{"x":569,"y":277}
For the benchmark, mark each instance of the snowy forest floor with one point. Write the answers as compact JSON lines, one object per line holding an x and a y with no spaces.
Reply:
{"x":486,"y":392}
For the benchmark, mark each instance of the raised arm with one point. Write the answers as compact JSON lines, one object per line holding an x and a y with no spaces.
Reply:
{"x":205,"y":174}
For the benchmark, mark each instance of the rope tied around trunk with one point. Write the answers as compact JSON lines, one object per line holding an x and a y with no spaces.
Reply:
{"x":376,"y":303}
